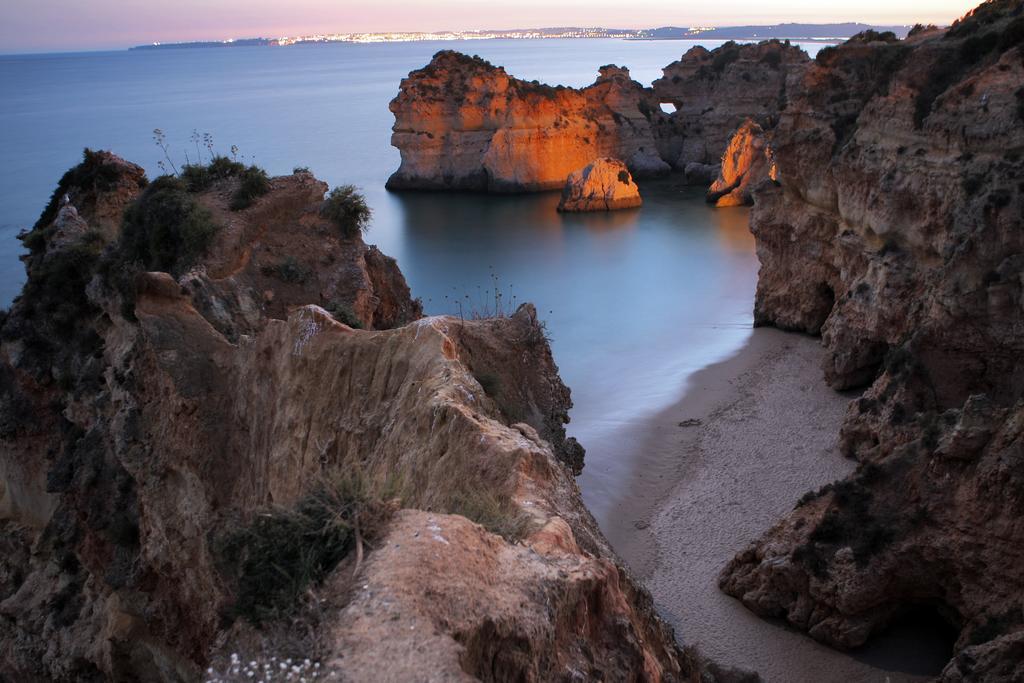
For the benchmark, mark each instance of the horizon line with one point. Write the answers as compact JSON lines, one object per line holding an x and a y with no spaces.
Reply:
{"x":129,"y":47}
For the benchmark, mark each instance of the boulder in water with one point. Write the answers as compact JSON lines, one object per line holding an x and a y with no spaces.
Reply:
{"x":603,"y":185}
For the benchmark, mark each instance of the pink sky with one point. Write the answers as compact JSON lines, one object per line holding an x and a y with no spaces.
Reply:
{"x":35,"y":25}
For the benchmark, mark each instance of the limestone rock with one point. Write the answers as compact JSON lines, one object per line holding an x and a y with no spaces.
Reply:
{"x":463,"y":124}
{"x":604,"y":185}
{"x":146,"y":419}
{"x":715,"y":91}
{"x":894,"y":232}
{"x":747,"y":161}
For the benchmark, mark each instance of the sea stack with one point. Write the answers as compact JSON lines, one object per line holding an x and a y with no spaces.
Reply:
{"x":603,"y":185}
{"x":462,"y":123}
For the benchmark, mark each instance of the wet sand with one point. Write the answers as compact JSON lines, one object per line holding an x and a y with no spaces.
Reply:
{"x":713,"y":472}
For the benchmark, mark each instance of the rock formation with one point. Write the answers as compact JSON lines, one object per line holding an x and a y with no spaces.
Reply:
{"x":604,"y":185}
{"x":715,"y":91}
{"x":895,"y":233}
{"x":746,"y":163}
{"x":161,"y":432}
{"x":463,"y":124}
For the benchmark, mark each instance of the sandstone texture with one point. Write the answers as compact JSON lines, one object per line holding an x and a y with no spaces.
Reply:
{"x":715,"y":91}
{"x":463,"y":124}
{"x":895,"y":232}
{"x":604,"y":185}
{"x":153,"y":422}
{"x":746,"y":163}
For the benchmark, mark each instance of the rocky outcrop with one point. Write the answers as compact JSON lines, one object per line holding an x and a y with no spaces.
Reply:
{"x":715,"y":91}
{"x":172,"y":441}
{"x":895,"y":233}
{"x":604,"y":185}
{"x":463,"y":124}
{"x":746,"y":163}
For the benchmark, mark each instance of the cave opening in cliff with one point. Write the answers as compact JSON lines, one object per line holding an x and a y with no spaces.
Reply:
{"x":918,"y":642}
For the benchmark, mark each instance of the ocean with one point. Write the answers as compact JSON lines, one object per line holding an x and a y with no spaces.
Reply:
{"x":635,"y":301}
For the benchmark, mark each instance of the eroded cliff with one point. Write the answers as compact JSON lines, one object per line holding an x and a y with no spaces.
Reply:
{"x":895,"y":232}
{"x":463,"y":124}
{"x":212,"y":457}
{"x":715,"y":91}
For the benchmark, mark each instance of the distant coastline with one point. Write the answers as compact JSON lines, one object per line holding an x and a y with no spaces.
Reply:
{"x":789,"y":31}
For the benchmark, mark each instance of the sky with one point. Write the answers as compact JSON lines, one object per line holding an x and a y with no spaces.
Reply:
{"x":57,"y":25}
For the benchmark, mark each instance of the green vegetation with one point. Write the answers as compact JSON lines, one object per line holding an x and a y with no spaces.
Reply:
{"x":200,"y":177}
{"x":872,"y":36}
{"x":773,"y":59}
{"x":981,"y":16}
{"x":853,"y":519}
{"x":90,"y":175}
{"x":274,"y":559}
{"x":921,"y":28}
{"x":348,"y":209}
{"x":724,"y":56}
{"x":165,"y":228}
{"x":982,"y":42}
{"x":300,"y":169}
{"x":489,"y":383}
{"x":253,"y":183}
{"x":344,"y":314}
{"x":497,"y":514}
{"x":58,"y":283}
{"x":288,"y":270}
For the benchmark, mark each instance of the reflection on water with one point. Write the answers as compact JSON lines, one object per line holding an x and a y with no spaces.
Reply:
{"x":635,"y":300}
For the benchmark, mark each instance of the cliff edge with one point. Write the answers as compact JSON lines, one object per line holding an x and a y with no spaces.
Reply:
{"x":894,"y":231}
{"x":227,"y":428}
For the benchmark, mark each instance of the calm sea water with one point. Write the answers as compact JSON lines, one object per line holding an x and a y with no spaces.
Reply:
{"x":635,"y":301}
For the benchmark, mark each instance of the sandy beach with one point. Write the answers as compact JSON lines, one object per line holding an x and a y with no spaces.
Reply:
{"x":748,"y":438}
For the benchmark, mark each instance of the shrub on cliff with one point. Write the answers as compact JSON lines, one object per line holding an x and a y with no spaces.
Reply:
{"x":288,"y":270}
{"x":199,"y":177}
{"x":274,"y":560}
{"x":90,"y":175}
{"x":56,"y":287}
{"x":253,"y":183}
{"x":347,"y":208}
{"x":725,"y":55}
{"x":773,"y":59}
{"x":981,"y":16}
{"x":165,"y":228}
{"x":344,"y":314}
{"x":872,"y":36}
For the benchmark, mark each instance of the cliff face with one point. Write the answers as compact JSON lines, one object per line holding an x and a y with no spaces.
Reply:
{"x":895,"y":232}
{"x":170,"y":440}
{"x":463,"y":124}
{"x":747,"y":162}
{"x":715,"y":91}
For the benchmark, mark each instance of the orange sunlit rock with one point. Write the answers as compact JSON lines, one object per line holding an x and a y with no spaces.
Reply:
{"x":746,"y":162}
{"x":604,"y":185}
{"x":461,"y":123}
